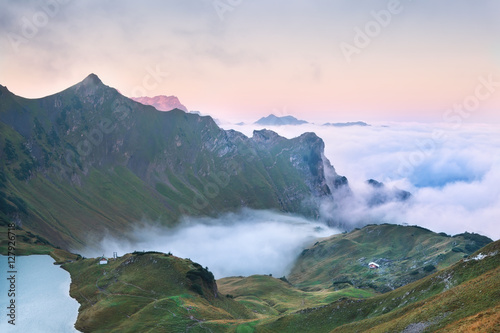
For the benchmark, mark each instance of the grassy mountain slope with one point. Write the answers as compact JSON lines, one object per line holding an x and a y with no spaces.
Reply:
{"x":88,"y":159}
{"x":460,"y":298}
{"x":148,"y":292}
{"x":154,"y":292}
{"x":267,"y":296}
{"x":404,"y":253}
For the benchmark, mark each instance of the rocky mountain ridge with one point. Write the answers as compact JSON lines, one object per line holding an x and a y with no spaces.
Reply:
{"x":88,"y":159}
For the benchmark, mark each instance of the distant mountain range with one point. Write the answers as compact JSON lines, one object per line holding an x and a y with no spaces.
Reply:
{"x":161,"y":102}
{"x":353,"y":123}
{"x":273,"y":120}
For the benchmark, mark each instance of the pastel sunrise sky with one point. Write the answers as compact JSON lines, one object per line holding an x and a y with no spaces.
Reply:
{"x":243,"y":59}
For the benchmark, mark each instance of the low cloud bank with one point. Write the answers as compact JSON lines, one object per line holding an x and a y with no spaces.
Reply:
{"x":244,"y":243}
{"x":455,"y":208}
{"x":453,"y":173}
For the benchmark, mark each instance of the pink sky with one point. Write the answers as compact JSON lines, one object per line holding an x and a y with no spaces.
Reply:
{"x":264,"y":57}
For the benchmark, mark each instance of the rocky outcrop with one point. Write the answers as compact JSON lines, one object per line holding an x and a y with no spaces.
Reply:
{"x":162,"y":102}
{"x":381,"y":194}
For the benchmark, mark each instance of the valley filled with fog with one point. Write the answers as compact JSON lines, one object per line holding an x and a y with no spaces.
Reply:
{"x":243,"y":243}
{"x":452,"y":175}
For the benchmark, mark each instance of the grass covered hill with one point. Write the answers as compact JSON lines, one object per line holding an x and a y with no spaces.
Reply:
{"x":154,"y":292}
{"x":464,"y":297}
{"x":404,"y":253}
{"x":148,"y":292}
{"x":268,"y":296}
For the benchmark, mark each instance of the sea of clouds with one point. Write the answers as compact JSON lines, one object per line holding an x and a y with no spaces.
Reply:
{"x":452,"y":173}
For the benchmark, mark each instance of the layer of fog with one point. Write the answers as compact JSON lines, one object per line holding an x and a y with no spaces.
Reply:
{"x":243,"y":243}
{"x":453,"y":173}
{"x":42,"y":298}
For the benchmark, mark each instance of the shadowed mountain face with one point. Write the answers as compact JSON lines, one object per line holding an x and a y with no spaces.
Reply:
{"x":88,"y":159}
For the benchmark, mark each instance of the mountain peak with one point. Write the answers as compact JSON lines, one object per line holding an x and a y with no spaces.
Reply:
{"x":265,"y":135}
{"x":162,"y":102}
{"x":92,"y":79}
{"x":90,"y":86}
{"x":3,"y":89}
